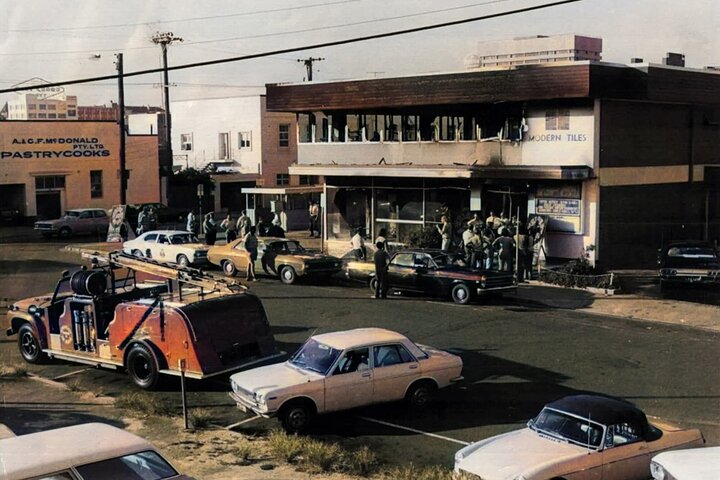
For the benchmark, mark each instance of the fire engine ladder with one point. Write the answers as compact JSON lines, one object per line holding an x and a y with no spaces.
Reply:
{"x":170,"y":271}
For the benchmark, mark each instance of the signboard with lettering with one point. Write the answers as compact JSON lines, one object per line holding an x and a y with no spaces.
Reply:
{"x":40,"y":90}
{"x":19,"y":148}
{"x":559,"y":191}
{"x":557,"y":206}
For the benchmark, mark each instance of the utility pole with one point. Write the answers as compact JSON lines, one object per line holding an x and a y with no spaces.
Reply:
{"x":164,"y":39}
{"x":121,"y":124}
{"x":308,"y":62}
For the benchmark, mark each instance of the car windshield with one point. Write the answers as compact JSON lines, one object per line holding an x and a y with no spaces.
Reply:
{"x":71,"y":213}
{"x":690,"y":256}
{"x":141,"y":466}
{"x":315,"y":356}
{"x":183,"y":238}
{"x":442,"y":260}
{"x":568,"y":427}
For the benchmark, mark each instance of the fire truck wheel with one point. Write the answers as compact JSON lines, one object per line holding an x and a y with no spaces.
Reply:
{"x":287,"y":275}
{"x":229,"y":268}
{"x":30,"y":345}
{"x":142,"y":367}
{"x":296,"y":416}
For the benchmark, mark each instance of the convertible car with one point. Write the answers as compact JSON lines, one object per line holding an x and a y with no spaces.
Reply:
{"x":588,"y":437}
{"x":435,"y":273}
{"x":278,"y":256}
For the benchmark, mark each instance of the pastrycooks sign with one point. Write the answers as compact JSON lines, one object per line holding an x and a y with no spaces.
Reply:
{"x":53,"y":147}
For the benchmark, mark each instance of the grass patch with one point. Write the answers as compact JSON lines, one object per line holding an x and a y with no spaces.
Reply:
{"x":74,"y":386}
{"x":143,"y":404}
{"x":414,"y":472}
{"x":200,"y":417}
{"x":315,"y":456}
{"x":13,"y":371}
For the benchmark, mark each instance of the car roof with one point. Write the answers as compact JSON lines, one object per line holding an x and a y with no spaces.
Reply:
{"x":50,"y":451}
{"x":688,"y":243}
{"x":84,"y":209}
{"x":169,"y":232}
{"x":358,"y":337}
{"x":602,"y":409}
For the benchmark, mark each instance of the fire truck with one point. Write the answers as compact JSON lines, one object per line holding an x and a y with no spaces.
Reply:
{"x":145,"y":317}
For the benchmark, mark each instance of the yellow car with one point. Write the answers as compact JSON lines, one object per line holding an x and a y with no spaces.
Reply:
{"x":277,"y":256}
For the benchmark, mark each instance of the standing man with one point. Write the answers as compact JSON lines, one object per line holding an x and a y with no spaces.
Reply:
{"x":314,"y":211}
{"x":445,"y":232}
{"x":382,"y":259}
{"x":506,"y":246}
{"x":209,"y":229}
{"x":141,"y":221}
{"x":152,"y":218}
{"x":243,"y":224}
{"x":358,"y":245}
{"x":469,"y":245}
{"x":251,"y":245}
{"x":191,"y":225}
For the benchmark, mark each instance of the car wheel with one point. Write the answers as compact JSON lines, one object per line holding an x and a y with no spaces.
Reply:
{"x":461,"y":294}
{"x":29,"y":345}
{"x":266,"y":268}
{"x":65,"y":232}
{"x":373,"y":284}
{"x":229,"y":268}
{"x":287,"y":275}
{"x":137,"y":253}
{"x":296,"y":416}
{"x":142,"y":367}
{"x":183,"y":261}
{"x":420,"y":394}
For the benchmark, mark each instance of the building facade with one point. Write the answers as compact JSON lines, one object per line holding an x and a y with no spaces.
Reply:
{"x":596,"y":148}
{"x":535,"y":50}
{"x":47,"y":167}
{"x":30,"y":106}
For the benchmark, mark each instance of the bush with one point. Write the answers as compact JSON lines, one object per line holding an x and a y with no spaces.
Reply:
{"x":578,"y":273}
{"x":285,"y":447}
{"x":361,"y":462}
{"x":15,"y":371}
{"x":200,"y":418}
{"x":142,"y":403}
{"x":413,"y":472}
{"x":321,"y":457}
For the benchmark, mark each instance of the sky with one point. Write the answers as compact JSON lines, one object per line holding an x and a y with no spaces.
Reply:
{"x":59,"y":40}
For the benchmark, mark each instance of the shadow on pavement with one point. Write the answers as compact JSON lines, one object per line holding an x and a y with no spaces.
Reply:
{"x":47,"y":417}
{"x":12,"y":267}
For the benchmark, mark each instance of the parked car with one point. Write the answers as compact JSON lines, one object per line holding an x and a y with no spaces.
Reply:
{"x":77,"y":221}
{"x":115,"y":316}
{"x":433,"y":272}
{"x":692,"y":464}
{"x":343,"y":370}
{"x":174,"y":246}
{"x":580,"y":436}
{"x":277,"y":256}
{"x":83,"y":452}
{"x":688,"y":263}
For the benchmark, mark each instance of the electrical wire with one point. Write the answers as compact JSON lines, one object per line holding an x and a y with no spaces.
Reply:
{"x":298,"y":49}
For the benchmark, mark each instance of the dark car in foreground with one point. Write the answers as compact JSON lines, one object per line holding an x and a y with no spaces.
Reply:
{"x":435,"y":273}
{"x":688,"y":263}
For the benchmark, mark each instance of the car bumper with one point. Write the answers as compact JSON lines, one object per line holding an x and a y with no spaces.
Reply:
{"x":247,"y":406}
{"x":45,"y":228}
{"x":691,"y":278}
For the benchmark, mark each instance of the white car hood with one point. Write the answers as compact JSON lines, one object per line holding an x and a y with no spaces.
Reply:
{"x":272,"y":377}
{"x":513,"y":453}
{"x":696,"y":463}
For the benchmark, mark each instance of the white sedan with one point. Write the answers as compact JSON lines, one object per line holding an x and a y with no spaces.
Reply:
{"x":174,"y":246}
{"x":692,"y":464}
{"x":343,"y":370}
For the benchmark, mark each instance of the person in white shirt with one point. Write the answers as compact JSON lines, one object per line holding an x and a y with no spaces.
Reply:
{"x":358,"y":245}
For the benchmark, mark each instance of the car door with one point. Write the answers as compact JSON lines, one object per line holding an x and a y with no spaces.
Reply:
{"x":240,"y":257}
{"x":401,"y":272}
{"x":394,"y":369}
{"x":350,"y":383}
{"x":270,"y":253}
{"x":162,"y":249}
{"x":85,"y":222}
{"x":626,"y":455}
{"x":101,"y":221}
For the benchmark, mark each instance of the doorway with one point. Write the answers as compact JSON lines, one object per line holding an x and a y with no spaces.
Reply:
{"x":48,"y":205}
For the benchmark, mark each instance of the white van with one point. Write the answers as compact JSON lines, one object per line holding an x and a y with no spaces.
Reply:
{"x":83,"y":452}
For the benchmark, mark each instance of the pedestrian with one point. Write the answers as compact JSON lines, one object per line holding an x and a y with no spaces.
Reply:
{"x":525,"y":254}
{"x":314,"y":211}
{"x":382,"y":260}
{"x":243,"y":224}
{"x":486,"y":241}
{"x":490,"y":220}
{"x":469,"y":245}
{"x":142,"y":221}
{"x":191,"y":224}
{"x":382,"y":237}
{"x":251,"y":246}
{"x":445,"y":230}
{"x":209,"y":228}
{"x":229,"y":226}
{"x":152,"y":219}
{"x":506,"y":252}
{"x":358,"y":244}
{"x":475,"y":223}
{"x":276,"y":222}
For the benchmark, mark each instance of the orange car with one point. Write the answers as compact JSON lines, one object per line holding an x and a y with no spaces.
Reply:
{"x":277,"y":256}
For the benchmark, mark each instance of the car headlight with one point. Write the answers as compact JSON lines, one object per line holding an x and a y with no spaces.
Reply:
{"x":657,"y":471}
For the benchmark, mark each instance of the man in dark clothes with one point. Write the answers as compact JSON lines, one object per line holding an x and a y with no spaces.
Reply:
{"x":381,"y":265}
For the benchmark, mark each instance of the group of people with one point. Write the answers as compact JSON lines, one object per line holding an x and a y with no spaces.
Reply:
{"x":147,"y":220}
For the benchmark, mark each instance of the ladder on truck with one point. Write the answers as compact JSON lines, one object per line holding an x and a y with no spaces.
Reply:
{"x":183,"y":275}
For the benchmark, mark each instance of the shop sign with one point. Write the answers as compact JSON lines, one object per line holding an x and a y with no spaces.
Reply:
{"x":40,"y":90}
{"x":557,"y":206}
{"x":54,"y":147}
{"x":559,"y":191}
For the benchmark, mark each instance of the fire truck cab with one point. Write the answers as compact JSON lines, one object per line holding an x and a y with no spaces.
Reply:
{"x":146,"y":317}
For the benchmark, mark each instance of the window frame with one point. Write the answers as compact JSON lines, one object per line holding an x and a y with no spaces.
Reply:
{"x":96,"y":184}
{"x":399,"y":348}
{"x":245,"y":140}
{"x":185,"y":144}
{"x":282,"y":179}
{"x":284,"y":135}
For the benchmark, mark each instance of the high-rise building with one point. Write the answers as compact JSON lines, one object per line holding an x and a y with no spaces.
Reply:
{"x":534,"y":50}
{"x":32,"y":106}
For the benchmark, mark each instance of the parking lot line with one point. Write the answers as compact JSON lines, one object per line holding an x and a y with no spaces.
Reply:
{"x":242,"y":422}
{"x":427,"y":434}
{"x":71,"y":373}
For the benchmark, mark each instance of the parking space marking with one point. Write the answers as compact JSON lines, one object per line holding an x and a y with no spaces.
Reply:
{"x":72,"y":373}
{"x":242,"y":422}
{"x":427,"y":434}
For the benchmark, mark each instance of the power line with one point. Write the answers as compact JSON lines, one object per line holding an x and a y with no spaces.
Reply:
{"x":306,"y":47}
{"x":181,"y":20}
{"x":274,"y":34}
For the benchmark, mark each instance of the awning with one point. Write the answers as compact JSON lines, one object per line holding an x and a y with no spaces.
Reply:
{"x":519,"y":172}
{"x":283,"y":190}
